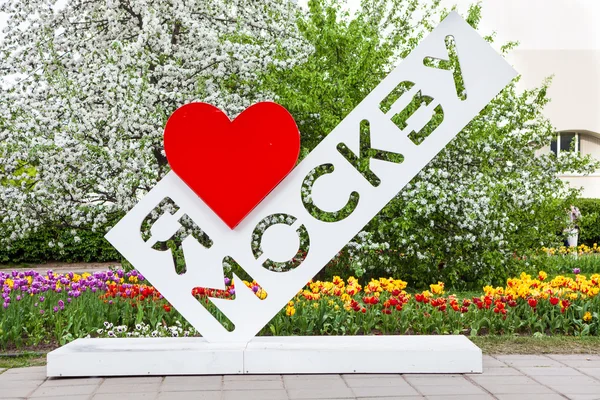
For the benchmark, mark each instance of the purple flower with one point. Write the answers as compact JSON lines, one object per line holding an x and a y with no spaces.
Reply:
{"x":110,"y":302}
{"x":227,"y":280}
{"x":42,"y":298}
{"x":5,"y":305}
{"x":61,"y":303}
{"x":576,"y":271}
{"x":18,"y":297}
{"x":231,"y":291}
{"x":42,"y":311}
{"x":55,"y":309}
{"x":68,"y":299}
{"x":255,"y":288}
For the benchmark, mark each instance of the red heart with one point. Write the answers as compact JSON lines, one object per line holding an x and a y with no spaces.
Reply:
{"x":232,"y":165}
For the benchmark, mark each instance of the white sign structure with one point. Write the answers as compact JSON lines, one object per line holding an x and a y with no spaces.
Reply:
{"x":406,"y":143}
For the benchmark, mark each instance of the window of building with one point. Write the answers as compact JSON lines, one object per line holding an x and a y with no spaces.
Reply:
{"x":565,"y":141}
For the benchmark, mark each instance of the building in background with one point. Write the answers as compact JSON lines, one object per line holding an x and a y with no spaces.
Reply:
{"x":559,"y":38}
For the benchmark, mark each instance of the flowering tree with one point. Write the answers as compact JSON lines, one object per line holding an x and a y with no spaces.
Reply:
{"x":485,"y":200}
{"x":87,"y":90}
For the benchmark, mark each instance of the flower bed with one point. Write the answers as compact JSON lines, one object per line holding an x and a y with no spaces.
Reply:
{"x":581,"y":249}
{"x":53,"y":308}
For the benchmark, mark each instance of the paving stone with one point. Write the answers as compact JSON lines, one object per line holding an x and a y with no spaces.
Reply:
{"x":436,"y":375}
{"x":215,"y":395}
{"x":234,"y":378}
{"x":385,"y":391}
{"x":27,"y":370}
{"x":549,"y":371}
{"x":463,"y":397}
{"x":24,"y":374}
{"x":2,"y":370}
{"x":75,"y":397}
{"x":393,"y":398}
{"x":595,"y":372}
{"x":309,"y":392}
{"x":128,"y":388}
{"x":255,"y":395}
{"x":574,"y":389}
{"x":527,"y":389}
{"x":502,"y":380}
{"x":130,"y":396}
{"x":574,"y":396}
{"x":336,"y":382}
{"x":368,"y":382}
{"x":21,"y":379}
{"x":500,"y":371}
{"x":313,"y":377}
{"x":441,"y":390}
{"x":72,"y":382}
{"x":528,"y":361}
{"x":437,"y":380}
{"x":28,"y":385}
{"x":562,"y":357}
{"x":64,"y":391}
{"x":252,"y":385}
{"x":16,"y":391}
{"x":190,"y":388}
{"x":214,"y":380}
{"x":491,"y":362}
{"x":583,"y":363}
{"x":133,"y":380}
{"x":581,"y":380}
{"x":552,"y":396}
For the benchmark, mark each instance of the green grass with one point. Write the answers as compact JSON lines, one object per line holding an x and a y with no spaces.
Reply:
{"x":22,"y":359}
{"x":538,"y":345}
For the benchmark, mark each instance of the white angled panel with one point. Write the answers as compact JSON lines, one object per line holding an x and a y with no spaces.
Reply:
{"x":485,"y":73}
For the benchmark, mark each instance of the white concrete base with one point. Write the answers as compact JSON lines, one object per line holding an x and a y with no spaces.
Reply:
{"x":266,"y":355}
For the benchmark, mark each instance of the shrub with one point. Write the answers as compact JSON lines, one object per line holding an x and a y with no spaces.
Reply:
{"x":63,"y":245}
{"x":589,"y":224}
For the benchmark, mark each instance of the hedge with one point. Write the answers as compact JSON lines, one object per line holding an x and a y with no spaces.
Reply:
{"x":36,"y":248}
{"x":92,"y":247}
{"x":589,"y":224}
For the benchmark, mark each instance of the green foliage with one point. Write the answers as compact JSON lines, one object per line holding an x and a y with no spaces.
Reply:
{"x":560,"y":264}
{"x":487,"y":200}
{"x":32,"y":322}
{"x":350,"y":58}
{"x":59,"y":244}
{"x":589,"y":223}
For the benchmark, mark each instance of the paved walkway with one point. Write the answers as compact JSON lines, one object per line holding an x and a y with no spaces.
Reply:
{"x":522,"y":377}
